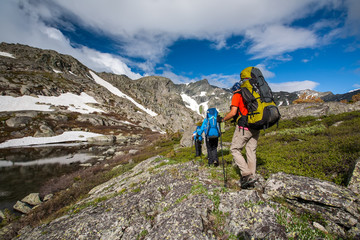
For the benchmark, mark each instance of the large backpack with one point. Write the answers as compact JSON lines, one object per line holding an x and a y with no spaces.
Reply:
{"x":262,"y":110}
{"x":212,"y":128}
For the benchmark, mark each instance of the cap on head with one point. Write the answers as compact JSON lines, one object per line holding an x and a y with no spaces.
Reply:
{"x":236,"y":87}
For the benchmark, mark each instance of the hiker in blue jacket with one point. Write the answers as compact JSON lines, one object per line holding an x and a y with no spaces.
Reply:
{"x":212,"y":134}
{"x":197,"y":137}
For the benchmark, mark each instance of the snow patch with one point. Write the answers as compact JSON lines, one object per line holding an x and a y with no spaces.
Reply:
{"x":5,"y":54}
{"x":74,"y":103}
{"x":65,"y":137}
{"x":354,"y":90}
{"x":117,"y":92}
{"x":202,"y":94}
{"x":67,"y":159}
{"x":192,"y":104}
{"x":57,"y":71}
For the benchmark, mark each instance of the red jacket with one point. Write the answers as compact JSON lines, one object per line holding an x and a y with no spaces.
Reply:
{"x":238,"y":101}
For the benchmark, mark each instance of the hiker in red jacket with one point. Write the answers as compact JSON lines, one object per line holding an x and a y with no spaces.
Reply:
{"x":243,"y":136}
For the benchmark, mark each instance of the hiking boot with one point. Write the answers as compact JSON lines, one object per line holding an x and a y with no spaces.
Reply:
{"x":216,"y":164}
{"x":247,"y":181}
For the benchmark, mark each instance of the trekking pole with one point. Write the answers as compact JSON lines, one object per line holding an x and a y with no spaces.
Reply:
{"x":222,"y":156}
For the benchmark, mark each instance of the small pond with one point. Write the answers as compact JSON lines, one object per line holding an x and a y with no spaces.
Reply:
{"x":24,"y":170}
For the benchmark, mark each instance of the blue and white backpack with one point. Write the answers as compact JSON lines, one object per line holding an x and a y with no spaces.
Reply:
{"x":212,"y":128}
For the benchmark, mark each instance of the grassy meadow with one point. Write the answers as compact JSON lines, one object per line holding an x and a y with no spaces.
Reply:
{"x":325,"y":148}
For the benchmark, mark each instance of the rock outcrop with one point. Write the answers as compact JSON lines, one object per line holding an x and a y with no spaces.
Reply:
{"x":317,"y":109}
{"x":161,"y":200}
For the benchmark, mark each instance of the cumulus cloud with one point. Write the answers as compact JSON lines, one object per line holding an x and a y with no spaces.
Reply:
{"x":267,"y":73}
{"x":277,"y":39}
{"x":147,"y":28}
{"x":353,"y":19}
{"x":144,"y":30}
{"x":29,"y":29}
{"x":107,"y":61}
{"x":293,"y":86}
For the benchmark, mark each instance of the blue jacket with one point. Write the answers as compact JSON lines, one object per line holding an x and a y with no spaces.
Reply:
{"x":199,"y":132}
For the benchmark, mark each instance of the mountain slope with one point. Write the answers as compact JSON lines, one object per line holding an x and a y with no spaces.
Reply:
{"x":36,"y":72}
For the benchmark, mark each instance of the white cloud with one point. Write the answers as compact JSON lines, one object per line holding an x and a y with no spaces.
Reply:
{"x":353,"y":19}
{"x":293,"y":86}
{"x":277,"y":39}
{"x":24,"y":26}
{"x":147,"y":28}
{"x":267,"y":74}
{"x":109,"y":62}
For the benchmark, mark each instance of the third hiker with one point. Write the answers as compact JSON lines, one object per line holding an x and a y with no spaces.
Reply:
{"x":197,"y":138}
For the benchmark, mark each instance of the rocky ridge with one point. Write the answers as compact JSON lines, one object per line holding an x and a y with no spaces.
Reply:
{"x":161,"y":200}
{"x":317,"y":109}
{"x":35,"y":72}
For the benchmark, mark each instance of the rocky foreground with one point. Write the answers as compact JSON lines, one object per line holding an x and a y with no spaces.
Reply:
{"x":158,"y":199}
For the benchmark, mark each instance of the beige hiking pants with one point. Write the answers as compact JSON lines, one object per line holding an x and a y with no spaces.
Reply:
{"x":248,"y":138}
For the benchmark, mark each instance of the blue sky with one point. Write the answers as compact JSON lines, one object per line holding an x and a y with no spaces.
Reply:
{"x":307,"y":44}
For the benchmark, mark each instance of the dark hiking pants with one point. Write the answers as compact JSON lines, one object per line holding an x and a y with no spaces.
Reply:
{"x":198,"y":148}
{"x":211,"y":145}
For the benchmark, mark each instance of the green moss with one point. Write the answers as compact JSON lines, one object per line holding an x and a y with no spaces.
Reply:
{"x":136,"y":190}
{"x":142,"y":234}
{"x":298,"y":225}
{"x":78,"y":208}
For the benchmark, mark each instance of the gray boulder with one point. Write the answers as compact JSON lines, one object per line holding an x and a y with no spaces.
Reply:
{"x":186,"y":140}
{"x":317,"y":109}
{"x":337,"y":206}
{"x":21,"y":207}
{"x":33,"y":199}
{"x":44,"y":131}
{"x":18,"y":121}
{"x":354,"y":184}
{"x":2,"y":215}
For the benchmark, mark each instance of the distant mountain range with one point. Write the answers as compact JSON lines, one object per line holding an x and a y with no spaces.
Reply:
{"x":286,"y":98}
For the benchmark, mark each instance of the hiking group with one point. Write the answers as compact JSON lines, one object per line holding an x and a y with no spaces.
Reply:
{"x":252,"y":109}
